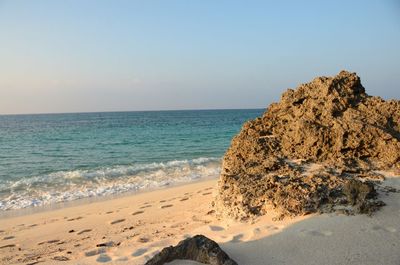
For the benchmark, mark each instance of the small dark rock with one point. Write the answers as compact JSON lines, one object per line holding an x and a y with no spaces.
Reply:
{"x":198,"y":248}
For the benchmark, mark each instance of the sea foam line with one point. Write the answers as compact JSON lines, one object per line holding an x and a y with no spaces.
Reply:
{"x":66,"y":186}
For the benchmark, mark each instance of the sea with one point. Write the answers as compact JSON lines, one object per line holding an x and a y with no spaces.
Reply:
{"x":53,"y":158}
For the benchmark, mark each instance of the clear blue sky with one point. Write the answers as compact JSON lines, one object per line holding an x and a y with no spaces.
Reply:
{"x":72,"y":56}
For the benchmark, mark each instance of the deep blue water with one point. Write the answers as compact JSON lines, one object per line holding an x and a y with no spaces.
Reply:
{"x":50,"y":158}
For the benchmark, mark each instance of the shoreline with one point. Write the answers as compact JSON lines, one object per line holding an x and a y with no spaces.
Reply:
{"x":131,"y":229}
{"x":89,"y":200}
{"x":128,"y":221}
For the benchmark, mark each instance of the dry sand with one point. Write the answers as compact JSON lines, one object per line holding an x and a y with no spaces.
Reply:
{"x":134,"y":227}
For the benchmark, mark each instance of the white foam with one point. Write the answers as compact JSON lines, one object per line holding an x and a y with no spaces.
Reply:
{"x":65,"y":186}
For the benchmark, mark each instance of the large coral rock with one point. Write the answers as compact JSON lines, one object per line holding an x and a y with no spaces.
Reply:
{"x":331,"y":122}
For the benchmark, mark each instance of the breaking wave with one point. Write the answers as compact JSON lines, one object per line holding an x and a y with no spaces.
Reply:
{"x":66,"y":186}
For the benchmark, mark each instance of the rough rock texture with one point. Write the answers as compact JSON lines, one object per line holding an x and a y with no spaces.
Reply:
{"x":330,"y":122}
{"x":198,"y":248}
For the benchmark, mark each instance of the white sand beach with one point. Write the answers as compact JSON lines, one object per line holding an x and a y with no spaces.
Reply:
{"x":130,"y":229}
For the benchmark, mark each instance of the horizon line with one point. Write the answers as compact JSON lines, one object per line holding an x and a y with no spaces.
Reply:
{"x":117,"y":111}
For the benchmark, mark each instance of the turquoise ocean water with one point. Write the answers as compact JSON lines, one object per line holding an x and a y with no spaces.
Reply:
{"x":50,"y":158}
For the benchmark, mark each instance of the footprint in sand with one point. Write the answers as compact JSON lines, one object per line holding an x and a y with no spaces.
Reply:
{"x":108,"y":244}
{"x":162,"y":201}
{"x":316,"y":232}
{"x":166,"y":206}
{"x":143,"y":240}
{"x":237,"y":238}
{"x":271,"y":228}
{"x":207,"y":193}
{"x":53,"y":241}
{"x":103,"y":258}
{"x":180,"y":224}
{"x":137,"y":212}
{"x":74,"y":219}
{"x":109,"y":212}
{"x":49,"y":242}
{"x":196,"y":218}
{"x":60,"y":258}
{"x":139,"y":252}
{"x":117,"y":221}
{"x":386,"y":229}
{"x":128,"y":228}
{"x":95,"y":252}
{"x":256,"y":231}
{"x":8,"y":246}
{"x":122,"y":259}
{"x":84,"y":231}
{"x":216,"y":228}
{"x":8,"y":237}
{"x":146,"y":206}
{"x":184,"y":199}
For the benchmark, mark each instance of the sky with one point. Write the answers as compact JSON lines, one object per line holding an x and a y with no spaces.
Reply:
{"x":86,"y":56}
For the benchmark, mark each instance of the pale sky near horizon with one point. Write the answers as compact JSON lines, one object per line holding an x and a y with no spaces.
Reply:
{"x":84,"y":56}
